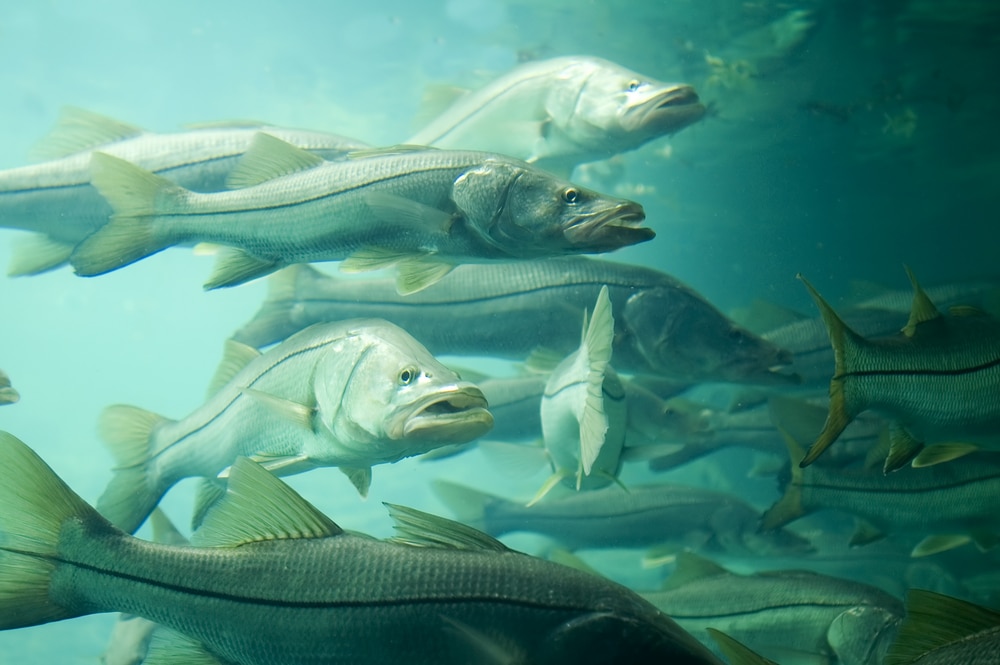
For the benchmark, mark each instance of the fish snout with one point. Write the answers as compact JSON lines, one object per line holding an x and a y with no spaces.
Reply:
{"x":457,"y":414}
{"x":607,"y":230}
{"x":666,"y":111}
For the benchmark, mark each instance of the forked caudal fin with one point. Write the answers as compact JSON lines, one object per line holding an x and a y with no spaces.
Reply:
{"x":36,"y":504}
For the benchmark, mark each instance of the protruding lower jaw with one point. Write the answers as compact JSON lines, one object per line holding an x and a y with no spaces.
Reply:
{"x":610,"y":230}
{"x":450,"y":417}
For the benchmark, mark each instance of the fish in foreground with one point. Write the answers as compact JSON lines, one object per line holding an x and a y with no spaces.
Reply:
{"x":788,"y":615}
{"x":675,"y":516}
{"x":561,"y":112}
{"x":271,"y":580}
{"x":55,"y":201}
{"x":8,"y":394}
{"x":349,"y":394}
{"x":419,"y":209}
{"x":948,"y":504}
{"x":510,"y":310}
{"x":941,"y":630}
{"x":938,"y":380}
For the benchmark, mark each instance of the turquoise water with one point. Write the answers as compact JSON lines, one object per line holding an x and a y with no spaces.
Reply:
{"x":867,"y":142}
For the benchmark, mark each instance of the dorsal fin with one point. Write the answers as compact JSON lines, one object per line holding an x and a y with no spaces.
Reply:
{"x":257,"y":506}
{"x":77,"y":130}
{"x":267,"y":158}
{"x":934,"y":620}
{"x":419,"y":529}
{"x":691,"y":567}
{"x":922,"y":310}
{"x":235,"y":356}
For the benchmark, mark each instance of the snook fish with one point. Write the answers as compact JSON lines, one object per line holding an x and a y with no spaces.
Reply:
{"x":948,"y":504}
{"x":349,"y":394}
{"x":562,"y":112}
{"x":662,"y":326}
{"x":644,"y":516}
{"x":270,"y":580}
{"x":938,"y":380}
{"x":787,"y":615}
{"x":421,"y":209}
{"x":8,"y":394}
{"x":55,"y":200}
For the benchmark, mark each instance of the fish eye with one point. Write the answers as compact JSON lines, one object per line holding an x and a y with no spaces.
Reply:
{"x":570,"y":195}
{"x":634,"y":84}
{"x":407,"y":376}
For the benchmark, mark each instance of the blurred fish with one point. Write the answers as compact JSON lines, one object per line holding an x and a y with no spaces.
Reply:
{"x":8,"y":395}
{"x":950,"y":504}
{"x":421,"y":209}
{"x":562,"y":112}
{"x":940,"y":630}
{"x":938,"y":380}
{"x":676,"y":516}
{"x":272,"y":580}
{"x":662,"y":326}
{"x":54,"y":199}
{"x":349,"y":394}
{"x":791,"y":616}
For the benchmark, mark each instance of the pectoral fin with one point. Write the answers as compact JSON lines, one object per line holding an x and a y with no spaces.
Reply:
{"x":408,"y":213}
{"x":298,"y":414}
{"x":360,"y":477}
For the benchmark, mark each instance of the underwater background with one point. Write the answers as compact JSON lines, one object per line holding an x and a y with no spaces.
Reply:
{"x":840,"y":149}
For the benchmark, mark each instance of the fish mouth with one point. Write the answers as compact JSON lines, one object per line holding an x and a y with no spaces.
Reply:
{"x":456,"y":416}
{"x":610,"y":229}
{"x":665,"y":111}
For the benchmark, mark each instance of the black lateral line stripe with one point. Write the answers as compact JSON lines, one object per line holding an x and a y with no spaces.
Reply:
{"x":291,"y":604}
{"x":892,"y":490}
{"x":768,"y":608}
{"x":929,"y":372}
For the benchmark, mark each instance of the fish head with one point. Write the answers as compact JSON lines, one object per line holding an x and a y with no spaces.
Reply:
{"x":387,"y":397}
{"x":524,"y":212}
{"x":611,"y":109}
{"x":677,"y":333}
{"x":864,"y":633}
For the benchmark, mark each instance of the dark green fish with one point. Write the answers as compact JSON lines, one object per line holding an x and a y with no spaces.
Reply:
{"x":940,"y":630}
{"x":272,"y":581}
{"x":938,"y":380}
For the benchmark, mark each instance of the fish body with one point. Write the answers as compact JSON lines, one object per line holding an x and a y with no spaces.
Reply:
{"x":561,"y":112}
{"x":349,"y":394}
{"x":55,"y":198}
{"x":644,"y":516}
{"x":8,"y":394}
{"x":960,"y":500}
{"x":662,"y":326}
{"x":269,"y":580}
{"x":938,"y":380}
{"x":423,"y":208}
{"x":791,"y":616}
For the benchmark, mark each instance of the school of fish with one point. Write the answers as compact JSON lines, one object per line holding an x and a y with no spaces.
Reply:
{"x":479,"y":237}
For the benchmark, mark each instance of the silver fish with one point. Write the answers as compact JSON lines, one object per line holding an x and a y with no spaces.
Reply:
{"x":8,"y":394}
{"x":564,"y":111}
{"x":420,"y":209}
{"x":272,"y":580}
{"x":54,"y":199}
{"x":788,"y":615}
{"x":662,"y":326}
{"x":644,"y":516}
{"x":350,"y":394}
{"x":904,"y":378}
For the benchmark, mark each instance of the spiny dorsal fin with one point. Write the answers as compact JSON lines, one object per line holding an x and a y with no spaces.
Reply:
{"x":235,"y":356}
{"x":77,"y":130}
{"x":691,"y":567}
{"x":922,"y":310}
{"x":419,"y":529}
{"x":934,"y":620}
{"x":268,"y":158}
{"x":257,"y":506}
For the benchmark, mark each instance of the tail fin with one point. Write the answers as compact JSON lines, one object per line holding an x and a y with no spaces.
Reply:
{"x":134,"y":195}
{"x":36,"y":503}
{"x":132,"y":493}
